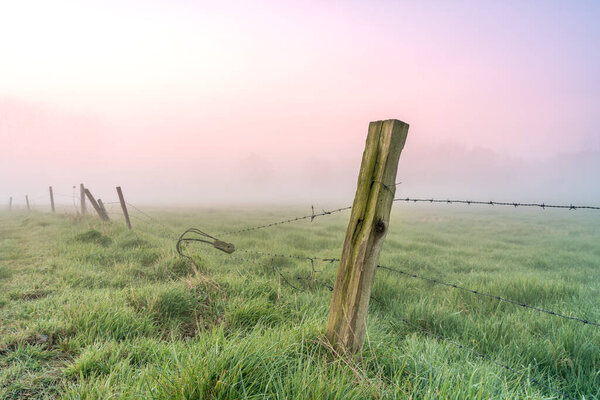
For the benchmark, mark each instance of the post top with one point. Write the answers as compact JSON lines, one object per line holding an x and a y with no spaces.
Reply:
{"x":390,"y":121}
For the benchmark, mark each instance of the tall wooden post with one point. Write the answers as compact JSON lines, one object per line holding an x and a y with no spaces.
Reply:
{"x":123,"y":206}
{"x":365,"y":234}
{"x":82,"y":198}
{"x":52,"y":199}
{"x":27,"y":201}
{"x":94,"y":204}
{"x":103,"y":209}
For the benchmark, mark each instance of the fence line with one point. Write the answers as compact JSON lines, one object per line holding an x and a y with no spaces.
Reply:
{"x":172,"y":235}
{"x":312,"y":216}
{"x":422,"y":330}
{"x":151,"y":220}
{"x":439,"y":337}
{"x":492,"y":296}
{"x":497,"y":203}
{"x":312,"y":259}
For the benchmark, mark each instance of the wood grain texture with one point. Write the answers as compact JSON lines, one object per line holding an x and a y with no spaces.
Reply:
{"x":366,"y":232}
{"x":82,"y":198}
{"x":94,"y":204}
{"x":105,"y":216}
{"x":123,"y":206}
{"x":52,"y":199}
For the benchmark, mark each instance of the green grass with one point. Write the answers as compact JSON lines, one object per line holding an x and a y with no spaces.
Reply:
{"x":91,"y":310}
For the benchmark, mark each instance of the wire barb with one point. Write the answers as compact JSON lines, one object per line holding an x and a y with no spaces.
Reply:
{"x":495,"y":297}
{"x":311,"y":216}
{"x":543,"y":206}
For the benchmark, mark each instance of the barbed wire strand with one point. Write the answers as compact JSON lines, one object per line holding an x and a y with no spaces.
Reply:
{"x":492,"y":296}
{"x":312,"y":216}
{"x":497,"y":203}
{"x":404,"y":320}
{"x":433,"y":280}
{"x":173,"y":234}
{"x":460,"y":346}
{"x":312,"y":259}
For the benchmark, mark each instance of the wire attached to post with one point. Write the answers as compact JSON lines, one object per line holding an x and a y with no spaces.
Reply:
{"x":217,"y":244}
{"x":204,"y":238}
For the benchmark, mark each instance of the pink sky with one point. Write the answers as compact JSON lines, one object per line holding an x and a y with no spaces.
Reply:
{"x":162,"y":95}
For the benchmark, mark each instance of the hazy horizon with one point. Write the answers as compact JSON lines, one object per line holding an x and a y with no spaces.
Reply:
{"x":237,"y":102}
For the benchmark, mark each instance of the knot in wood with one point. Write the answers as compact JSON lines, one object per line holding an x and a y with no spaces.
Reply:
{"x":380,"y":227}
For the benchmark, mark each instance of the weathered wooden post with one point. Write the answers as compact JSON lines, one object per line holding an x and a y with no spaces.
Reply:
{"x":366,"y":231}
{"x":94,"y":204}
{"x":10,"y":203}
{"x":82,"y":198}
{"x":52,"y":199}
{"x":27,"y":201}
{"x":123,"y":206}
{"x":103,"y":209}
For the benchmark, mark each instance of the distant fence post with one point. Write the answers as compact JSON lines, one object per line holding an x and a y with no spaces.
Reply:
{"x":101,"y":205}
{"x":82,"y":198}
{"x":27,"y":201}
{"x":10,"y":203}
{"x":94,"y":204}
{"x":123,"y":206}
{"x":365,"y":234}
{"x":52,"y":199}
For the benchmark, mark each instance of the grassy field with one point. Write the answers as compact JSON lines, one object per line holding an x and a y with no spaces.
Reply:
{"x":91,"y":310}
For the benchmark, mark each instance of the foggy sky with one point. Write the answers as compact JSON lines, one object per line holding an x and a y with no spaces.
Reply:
{"x":192,"y":102}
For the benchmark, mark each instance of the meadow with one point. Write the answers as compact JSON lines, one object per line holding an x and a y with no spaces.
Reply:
{"x":91,"y":310}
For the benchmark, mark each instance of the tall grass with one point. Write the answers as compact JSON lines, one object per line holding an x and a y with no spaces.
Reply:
{"x":92,"y":310}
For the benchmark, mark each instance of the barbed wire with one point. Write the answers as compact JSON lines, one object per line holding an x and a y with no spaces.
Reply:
{"x":149,"y":219}
{"x":492,"y":296}
{"x":312,"y":260}
{"x":270,"y":254}
{"x":439,"y":337}
{"x":496,"y":203}
{"x":63,"y":195}
{"x":172,"y":235}
{"x":312,"y":216}
{"x":203,"y":237}
{"x":485,"y":357}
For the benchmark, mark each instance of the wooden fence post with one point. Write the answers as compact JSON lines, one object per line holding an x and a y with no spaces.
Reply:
{"x":27,"y":201}
{"x":101,"y":205}
{"x":10,"y":203}
{"x":52,"y":199}
{"x":123,"y":206}
{"x":365,"y":234}
{"x":94,"y":204}
{"x":82,"y":198}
